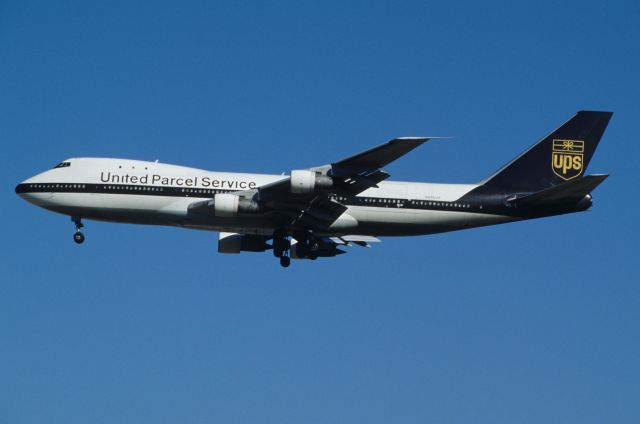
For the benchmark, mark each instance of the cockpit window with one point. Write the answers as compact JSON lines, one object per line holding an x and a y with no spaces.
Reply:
{"x":62,"y":165}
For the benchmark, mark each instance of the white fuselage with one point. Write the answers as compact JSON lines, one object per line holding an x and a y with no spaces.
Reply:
{"x":131,"y":191}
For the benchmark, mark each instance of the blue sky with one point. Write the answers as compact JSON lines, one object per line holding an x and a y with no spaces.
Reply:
{"x":529,"y":322}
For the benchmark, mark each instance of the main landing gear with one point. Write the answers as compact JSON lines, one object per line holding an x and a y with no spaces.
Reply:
{"x":306,"y":247}
{"x":78,"y":237}
{"x":282,"y":247}
{"x":285,"y":261}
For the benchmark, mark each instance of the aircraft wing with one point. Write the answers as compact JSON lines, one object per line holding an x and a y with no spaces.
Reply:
{"x":311,"y":197}
{"x":364,"y":170}
{"x":349,"y":177}
{"x":354,"y":174}
{"x":381,"y":155}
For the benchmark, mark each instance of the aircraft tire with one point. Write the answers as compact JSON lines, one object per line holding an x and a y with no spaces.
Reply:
{"x":285,"y":261}
{"x":78,"y":237}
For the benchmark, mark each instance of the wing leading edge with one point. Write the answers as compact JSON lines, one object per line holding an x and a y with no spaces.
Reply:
{"x":355,"y":173}
{"x":349,"y":176}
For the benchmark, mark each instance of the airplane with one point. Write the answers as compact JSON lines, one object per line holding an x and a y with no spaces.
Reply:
{"x":317,"y":212}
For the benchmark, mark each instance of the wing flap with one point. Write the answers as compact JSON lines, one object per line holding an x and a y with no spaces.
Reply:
{"x":359,"y":240}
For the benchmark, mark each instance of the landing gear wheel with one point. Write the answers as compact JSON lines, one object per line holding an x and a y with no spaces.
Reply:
{"x":306,"y":245}
{"x":285,"y":261}
{"x":78,"y":237}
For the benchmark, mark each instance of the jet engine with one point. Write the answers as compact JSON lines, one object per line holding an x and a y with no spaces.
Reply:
{"x":236,"y":243}
{"x":304,"y":181}
{"x":229,"y":205}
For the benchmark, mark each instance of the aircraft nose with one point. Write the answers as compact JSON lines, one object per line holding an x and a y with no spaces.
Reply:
{"x":26,"y":190}
{"x":29,"y":191}
{"x":35,"y":189}
{"x":21,"y":188}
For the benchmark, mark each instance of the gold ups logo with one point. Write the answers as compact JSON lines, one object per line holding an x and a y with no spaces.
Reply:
{"x":567,"y":158}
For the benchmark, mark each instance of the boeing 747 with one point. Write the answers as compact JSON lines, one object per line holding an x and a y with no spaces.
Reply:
{"x":315,"y":212}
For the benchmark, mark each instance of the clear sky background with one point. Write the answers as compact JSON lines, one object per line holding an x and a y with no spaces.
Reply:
{"x":522,"y":323}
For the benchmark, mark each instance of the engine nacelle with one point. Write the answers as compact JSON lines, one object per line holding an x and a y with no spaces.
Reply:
{"x":304,"y":181}
{"x":236,"y":243}
{"x":225,"y":205}
{"x":229,"y":205}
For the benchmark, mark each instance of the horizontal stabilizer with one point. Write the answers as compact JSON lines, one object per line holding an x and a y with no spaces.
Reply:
{"x":564,"y":193}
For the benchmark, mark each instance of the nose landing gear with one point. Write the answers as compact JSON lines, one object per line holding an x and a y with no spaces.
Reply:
{"x":78,"y":237}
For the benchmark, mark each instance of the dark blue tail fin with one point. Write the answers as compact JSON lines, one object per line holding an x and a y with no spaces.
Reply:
{"x":559,"y":157}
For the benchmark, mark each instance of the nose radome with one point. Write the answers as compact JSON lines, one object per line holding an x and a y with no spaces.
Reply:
{"x":29,"y":192}
{"x":22,"y":187}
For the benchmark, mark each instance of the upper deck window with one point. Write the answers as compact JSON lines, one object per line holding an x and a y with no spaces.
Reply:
{"x":62,"y":165}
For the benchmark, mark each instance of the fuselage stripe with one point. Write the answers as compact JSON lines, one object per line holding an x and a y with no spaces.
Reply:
{"x":201,"y":193}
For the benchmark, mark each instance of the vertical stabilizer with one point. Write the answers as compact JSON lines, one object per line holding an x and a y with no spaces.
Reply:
{"x":561,"y":156}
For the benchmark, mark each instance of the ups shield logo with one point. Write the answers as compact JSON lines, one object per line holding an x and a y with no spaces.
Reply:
{"x":567,"y":158}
